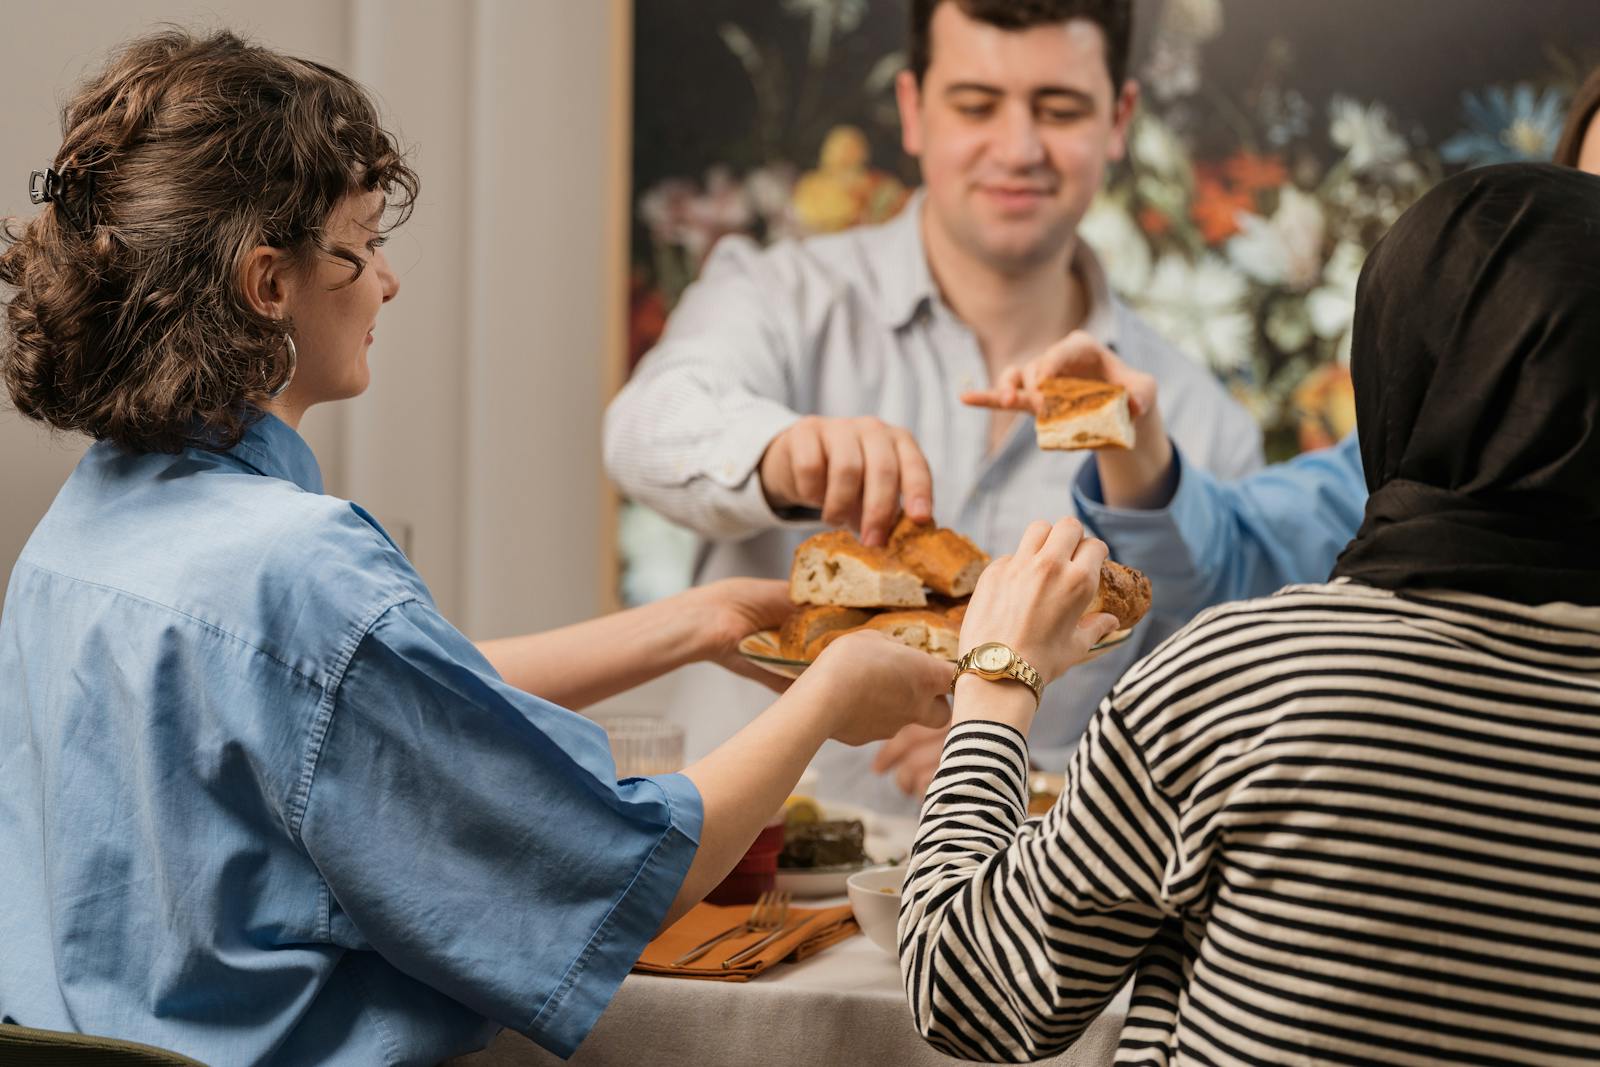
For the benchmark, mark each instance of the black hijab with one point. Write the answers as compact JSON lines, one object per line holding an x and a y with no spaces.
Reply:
{"x":1476,"y":359}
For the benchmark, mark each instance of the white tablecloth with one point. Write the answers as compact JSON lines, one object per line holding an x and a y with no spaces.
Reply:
{"x":843,"y":1006}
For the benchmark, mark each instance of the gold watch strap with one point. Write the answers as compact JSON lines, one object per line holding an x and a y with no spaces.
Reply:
{"x":1020,"y":670}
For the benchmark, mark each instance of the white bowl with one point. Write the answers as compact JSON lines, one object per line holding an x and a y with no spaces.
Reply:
{"x":875,"y":898}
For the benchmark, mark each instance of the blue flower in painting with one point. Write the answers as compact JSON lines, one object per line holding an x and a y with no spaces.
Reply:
{"x":1513,"y":127}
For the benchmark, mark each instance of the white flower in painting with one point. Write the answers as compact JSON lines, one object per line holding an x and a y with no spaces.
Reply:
{"x":1285,"y":249}
{"x":1200,"y":308}
{"x":1332,"y":305}
{"x":1365,"y":132}
{"x":1173,"y":69}
{"x":1196,"y":20}
{"x":665,"y":209}
{"x":846,"y":15}
{"x":1156,"y":148}
{"x":771,"y":192}
{"x":1119,"y":243}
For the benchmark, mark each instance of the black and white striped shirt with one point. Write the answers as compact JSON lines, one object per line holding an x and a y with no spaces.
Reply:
{"x":1336,"y":825}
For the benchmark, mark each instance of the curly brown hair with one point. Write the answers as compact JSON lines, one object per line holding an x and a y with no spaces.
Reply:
{"x":1584,"y":105}
{"x":1114,"y":17}
{"x":128,"y":321}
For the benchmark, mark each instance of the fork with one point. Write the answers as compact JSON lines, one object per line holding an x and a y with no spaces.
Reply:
{"x":768,"y":914}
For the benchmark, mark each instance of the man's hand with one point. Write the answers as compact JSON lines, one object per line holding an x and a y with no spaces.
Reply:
{"x":1139,"y":477}
{"x":912,"y":756}
{"x":857,"y":471}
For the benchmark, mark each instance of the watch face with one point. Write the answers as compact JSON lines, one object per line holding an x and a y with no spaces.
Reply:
{"x":991,"y":657}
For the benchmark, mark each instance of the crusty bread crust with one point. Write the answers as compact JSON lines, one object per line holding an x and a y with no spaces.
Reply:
{"x":1083,"y":413}
{"x":926,"y":631}
{"x":812,"y":621}
{"x":941,"y":637}
{"x":1124,"y":592}
{"x":835,"y":568}
{"x":947,"y":562}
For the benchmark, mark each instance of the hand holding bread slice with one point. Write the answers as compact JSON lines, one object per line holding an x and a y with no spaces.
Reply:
{"x":842,"y":586}
{"x":1080,"y":395}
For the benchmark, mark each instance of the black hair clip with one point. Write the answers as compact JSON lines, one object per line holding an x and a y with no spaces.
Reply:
{"x":49,"y":186}
{"x":44,"y":186}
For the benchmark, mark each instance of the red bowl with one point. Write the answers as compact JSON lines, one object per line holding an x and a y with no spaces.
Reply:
{"x":755,"y":873}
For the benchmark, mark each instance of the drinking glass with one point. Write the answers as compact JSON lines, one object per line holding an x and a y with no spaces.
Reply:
{"x":643,"y":744}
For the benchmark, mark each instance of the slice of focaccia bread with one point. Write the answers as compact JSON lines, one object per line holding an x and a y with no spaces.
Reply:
{"x":811,"y":622}
{"x":1083,"y":413}
{"x":940,"y":636}
{"x":835,"y":568}
{"x":947,"y":562}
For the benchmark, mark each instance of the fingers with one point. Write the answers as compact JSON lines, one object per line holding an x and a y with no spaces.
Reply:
{"x":895,"y":749}
{"x":1064,"y":538}
{"x":1077,"y":355}
{"x":1033,"y":539}
{"x":982,"y":398}
{"x":1100,"y":625}
{"x":914,"y":774}
{"x":841,"y":504}
{"x":916,"y":479}
{"x":880,"y":492}
{"x":808,"y":464}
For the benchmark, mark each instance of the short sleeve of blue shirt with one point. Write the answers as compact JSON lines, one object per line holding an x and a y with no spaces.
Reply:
{"x":475,"y":836}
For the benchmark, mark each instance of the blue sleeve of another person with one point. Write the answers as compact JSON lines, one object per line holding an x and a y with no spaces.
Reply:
{"x":477,"y":838}
{"x":1217,"y":541}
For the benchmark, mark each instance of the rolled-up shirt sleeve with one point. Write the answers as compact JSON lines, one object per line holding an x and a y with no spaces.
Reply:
{"x":1218,"y":541}
{"x":687,"y":433}
{"x":477,"y":838}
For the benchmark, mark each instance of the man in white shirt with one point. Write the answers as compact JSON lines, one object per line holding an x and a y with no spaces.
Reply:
{"x":824,"y":376}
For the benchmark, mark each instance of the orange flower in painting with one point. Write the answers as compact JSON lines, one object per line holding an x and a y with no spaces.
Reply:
{"x":647,"y":317}
{"x":1154,"y":221}
{"x":1250,"y":173}
{"x":1325,"y":407}
{"x":1216,"y":208}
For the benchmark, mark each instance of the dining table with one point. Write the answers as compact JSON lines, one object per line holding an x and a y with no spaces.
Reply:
{"x":845,"y":1005}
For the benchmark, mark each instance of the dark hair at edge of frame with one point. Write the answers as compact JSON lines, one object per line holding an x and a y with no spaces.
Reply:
{"x":1114,"y":17}
{"x":127,"y":321}
{"x":1584,"y":105}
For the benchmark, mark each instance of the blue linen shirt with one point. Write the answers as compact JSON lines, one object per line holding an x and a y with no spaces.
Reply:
{"x":260,"y":803}
{"x":1218,"y":541}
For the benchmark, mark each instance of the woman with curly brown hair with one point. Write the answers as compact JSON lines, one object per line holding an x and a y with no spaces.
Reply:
{"x":259,"y":801}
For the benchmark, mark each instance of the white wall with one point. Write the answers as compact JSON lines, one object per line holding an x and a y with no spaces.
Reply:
{"x":481,"y":430}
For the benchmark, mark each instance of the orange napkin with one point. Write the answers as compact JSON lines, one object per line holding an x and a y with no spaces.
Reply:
{"x":823,"y":927}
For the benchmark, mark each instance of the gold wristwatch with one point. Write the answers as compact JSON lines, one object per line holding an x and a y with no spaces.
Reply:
{"x":997,"y":662}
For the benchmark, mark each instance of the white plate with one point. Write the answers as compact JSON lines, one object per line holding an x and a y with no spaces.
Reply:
{"x":761,"y":648}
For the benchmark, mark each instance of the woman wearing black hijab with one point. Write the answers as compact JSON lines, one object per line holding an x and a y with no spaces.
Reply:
{"x":1353,"y":822}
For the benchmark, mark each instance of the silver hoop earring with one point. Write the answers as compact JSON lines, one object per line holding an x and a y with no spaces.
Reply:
{"x":294,"y":361}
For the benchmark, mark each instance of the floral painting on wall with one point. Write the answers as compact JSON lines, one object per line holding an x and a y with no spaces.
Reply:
{"x":1273,"y":145}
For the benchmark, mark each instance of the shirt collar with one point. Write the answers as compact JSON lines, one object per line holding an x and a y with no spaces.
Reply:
{"x":906,"y":282}
{"x":271,"y":447}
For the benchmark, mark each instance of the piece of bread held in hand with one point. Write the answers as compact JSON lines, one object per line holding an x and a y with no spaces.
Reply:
{"x":835,"y":568}
{"x":947,"y":562}
{"x":813,"y":621}
{"x":1083,"y":413}
{"x":1124,"y":592}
